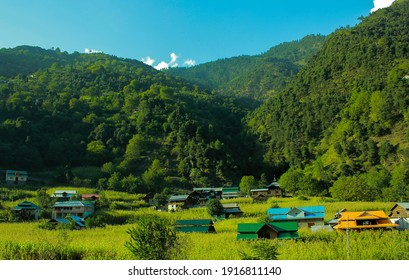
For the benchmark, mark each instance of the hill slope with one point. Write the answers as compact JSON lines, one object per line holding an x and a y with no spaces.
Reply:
{"x":254,"y":77}
{"x":139,"y":124}
{"x":345,"y":113}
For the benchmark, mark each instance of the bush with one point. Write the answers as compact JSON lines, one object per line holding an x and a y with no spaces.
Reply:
{"x":153,"y":238}
{"x":261,"y":250}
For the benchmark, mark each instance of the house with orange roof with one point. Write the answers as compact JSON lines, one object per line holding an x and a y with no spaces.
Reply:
{"x":364,"y":220}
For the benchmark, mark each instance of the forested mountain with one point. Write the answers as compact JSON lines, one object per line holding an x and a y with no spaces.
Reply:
{"x":343,"y":120}
{"x":334,"y":120}
{"x":253,"y":78}
{"x":140,"y":125}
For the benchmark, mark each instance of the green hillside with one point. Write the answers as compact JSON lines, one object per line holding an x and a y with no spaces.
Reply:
{"x":343,"y":119}
{"x":334,"y":116}
{"x":146,"y":130}
{"x":254,"y":78}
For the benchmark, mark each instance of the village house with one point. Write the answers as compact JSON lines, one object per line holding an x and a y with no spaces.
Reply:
{"x":82,"y":209}
{"x":364,"y":220}
{"x":400,"y":215}
{"x":91,"y":197}
{"x":179,"y":202}
{"x":230,"y":192}
{"x":27,"y":210}
{"x":273,"y":230}
{"x":15,"y":177}
{"x":148,"y":198}
{"x":209,"y":193}
{"x":306,"y":216}
{"x":231,"y":210}
{"x":64,"y":195}
{"x":334,"y":221}
{"x":271,"y":190}
{"x":199,"y":225}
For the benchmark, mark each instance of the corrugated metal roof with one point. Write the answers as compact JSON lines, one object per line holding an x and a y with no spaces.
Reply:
{"x":27,"y":205}
{"x":273,"y":184}
{"x":176,"y":198}
{"x":362,"y":215}
{"x":284,"y":226}
{"x":306,"y":212}
{"x":249,"y":227}
{"x":74,"y":203}
{"x":195,"y":229}
{"x":242,"y":236}
{"x":195,"y":222}
{"x":232,"y":210}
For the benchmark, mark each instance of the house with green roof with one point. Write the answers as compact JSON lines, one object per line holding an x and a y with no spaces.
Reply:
{"x":230,"y":192}
{"x":273,"y":230}
{"x":198,"y":225}
{"x":27,"y":210}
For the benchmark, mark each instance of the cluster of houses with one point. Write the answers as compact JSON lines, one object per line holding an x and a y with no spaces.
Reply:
{"x":283,"y":223}
{"x":199,"y":196}
{"x":68,"y":207}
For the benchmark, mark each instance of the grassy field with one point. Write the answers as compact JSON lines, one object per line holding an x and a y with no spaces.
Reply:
{"x":27,"y":241}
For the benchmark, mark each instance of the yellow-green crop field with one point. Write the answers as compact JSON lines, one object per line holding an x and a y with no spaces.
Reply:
{"x":28,"y":241}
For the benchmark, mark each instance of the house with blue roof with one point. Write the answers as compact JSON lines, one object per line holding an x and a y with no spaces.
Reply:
{"x":82,"y":209}
{"x":77,"y":221}
{"x":306,"y":216}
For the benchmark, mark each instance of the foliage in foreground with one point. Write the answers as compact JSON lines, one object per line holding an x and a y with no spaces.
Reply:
{"x":152,"y":238}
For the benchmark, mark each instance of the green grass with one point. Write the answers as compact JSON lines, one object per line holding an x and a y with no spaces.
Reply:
{"x":28,"y":241}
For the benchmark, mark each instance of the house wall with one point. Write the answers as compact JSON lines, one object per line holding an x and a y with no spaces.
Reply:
{"x":398,"y":212}
{"x":267,"y":232}
{"x":62,"y":212}
{"x":310,"y":223}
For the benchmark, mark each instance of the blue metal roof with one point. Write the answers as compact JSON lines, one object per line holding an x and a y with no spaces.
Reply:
{"x":308,"y":212}
{"x":278,"y":211}
{"x":73,"y":203}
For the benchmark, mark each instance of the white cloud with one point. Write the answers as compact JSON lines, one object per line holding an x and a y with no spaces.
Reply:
{"x":380,"y":4}
{"x":148,"y":60}
{"x":91,"y":51}
{"x":162,"y":65}
{"x":173,"y":57}
{"x":189,"y":63}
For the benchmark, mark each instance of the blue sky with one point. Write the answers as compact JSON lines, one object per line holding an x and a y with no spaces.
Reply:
{"x":174,"y":32}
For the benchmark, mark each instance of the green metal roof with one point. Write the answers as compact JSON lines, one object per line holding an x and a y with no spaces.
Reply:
{"x":284,"y":226}
{"x":277,"y":226}
{"x":195,"y":229}
{"x":242,"y":236}
{"x":195,"y":222}
{"x":249,"y":227}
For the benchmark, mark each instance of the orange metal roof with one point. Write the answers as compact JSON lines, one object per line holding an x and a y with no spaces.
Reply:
{"x":366,"y":215}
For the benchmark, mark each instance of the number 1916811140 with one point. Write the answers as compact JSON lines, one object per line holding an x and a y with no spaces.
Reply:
{"x":251,"y":271}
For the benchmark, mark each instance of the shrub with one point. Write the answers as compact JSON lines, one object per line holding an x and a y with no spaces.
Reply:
{"x":153,"y":238}
{"x":261,"y":250}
